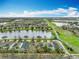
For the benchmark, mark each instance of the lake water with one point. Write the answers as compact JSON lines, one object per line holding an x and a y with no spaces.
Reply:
{"x":60,"y":23}
{"x":25,"y":34}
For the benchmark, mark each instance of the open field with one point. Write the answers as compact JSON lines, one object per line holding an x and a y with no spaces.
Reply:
{"x":69,"y":38}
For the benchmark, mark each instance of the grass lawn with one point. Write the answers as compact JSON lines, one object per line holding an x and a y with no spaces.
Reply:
{"x":70,"y":38}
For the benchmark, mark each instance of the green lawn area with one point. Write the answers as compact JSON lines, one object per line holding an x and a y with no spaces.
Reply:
{"x":70,"y":38}
{"x":67,"y":37}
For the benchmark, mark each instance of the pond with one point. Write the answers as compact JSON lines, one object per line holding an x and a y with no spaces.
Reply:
{"x":60,"y":23}
{"x":25,"y":34}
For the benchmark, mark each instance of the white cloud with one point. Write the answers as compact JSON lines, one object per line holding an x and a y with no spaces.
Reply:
{"x":70,"y":12}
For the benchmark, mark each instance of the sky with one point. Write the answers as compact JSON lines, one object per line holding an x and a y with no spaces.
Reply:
{"x":39,"y":8}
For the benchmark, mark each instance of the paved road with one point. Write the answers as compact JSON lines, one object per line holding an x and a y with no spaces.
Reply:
{"x":20,"y":46}
{"x":13,"y":45}
{"x":57,"y":36}
{"x":61,"y":46}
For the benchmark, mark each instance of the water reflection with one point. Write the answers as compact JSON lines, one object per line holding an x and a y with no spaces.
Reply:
{"x":24,"y":34}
